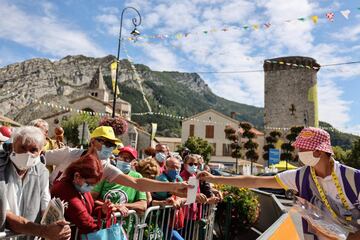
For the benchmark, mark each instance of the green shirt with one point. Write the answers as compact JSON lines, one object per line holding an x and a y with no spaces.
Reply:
{"x":119,"y":194}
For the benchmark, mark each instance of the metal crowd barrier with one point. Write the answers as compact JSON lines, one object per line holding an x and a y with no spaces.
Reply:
{"x":157,"y":223}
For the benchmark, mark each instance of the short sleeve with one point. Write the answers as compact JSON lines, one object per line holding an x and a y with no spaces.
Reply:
{"x":110,"y":172}
{"x":286,"y":179}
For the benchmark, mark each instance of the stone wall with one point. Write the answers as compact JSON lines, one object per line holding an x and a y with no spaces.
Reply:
{"x":287,"y":90}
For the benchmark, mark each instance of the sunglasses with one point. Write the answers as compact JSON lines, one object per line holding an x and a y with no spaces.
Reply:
{"x":192,"y":164}
{"x":106,"y":143}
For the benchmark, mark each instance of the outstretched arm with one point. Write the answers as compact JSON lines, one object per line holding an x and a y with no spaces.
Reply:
{"x":149,"y":185}
{"x":241,"y":181}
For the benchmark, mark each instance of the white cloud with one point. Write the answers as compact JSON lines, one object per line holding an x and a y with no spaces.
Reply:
{"x":237,"y":50}
{"x":332,"y":108}
{"x":43,"y":33}
{"x":348,"y":33}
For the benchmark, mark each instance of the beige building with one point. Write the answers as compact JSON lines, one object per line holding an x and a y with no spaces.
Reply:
{"x":172,"y":143}
{"x":210,"y":125}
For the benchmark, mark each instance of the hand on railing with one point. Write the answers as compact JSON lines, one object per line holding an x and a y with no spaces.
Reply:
{"x":201,"y":198}
{"x":59,"y":230}
{"x":124,"y":211}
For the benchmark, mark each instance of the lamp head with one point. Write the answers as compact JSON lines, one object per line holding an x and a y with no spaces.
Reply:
{"x":135,"y":32}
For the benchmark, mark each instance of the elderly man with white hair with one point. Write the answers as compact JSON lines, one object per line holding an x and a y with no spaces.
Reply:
{"x":27,"y":185}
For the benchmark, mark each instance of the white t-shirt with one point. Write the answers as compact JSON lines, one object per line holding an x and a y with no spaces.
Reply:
{"x":63,"y":157}
{"x":287,"y":180}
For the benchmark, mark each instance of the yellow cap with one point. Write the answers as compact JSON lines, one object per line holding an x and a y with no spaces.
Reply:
{"x":105,"y":132}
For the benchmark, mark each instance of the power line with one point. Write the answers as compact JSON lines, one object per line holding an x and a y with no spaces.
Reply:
{"x":261,"y":70}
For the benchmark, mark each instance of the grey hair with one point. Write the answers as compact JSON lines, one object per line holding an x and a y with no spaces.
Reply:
{"x":38,"y":122}
{"x":29,"y":134}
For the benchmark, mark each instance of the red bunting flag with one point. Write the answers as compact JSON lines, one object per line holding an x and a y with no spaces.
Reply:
{"x":330,"y":16}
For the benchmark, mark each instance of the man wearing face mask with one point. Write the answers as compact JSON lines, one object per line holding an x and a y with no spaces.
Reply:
{"x":323,"y":181}
{"x":103,"y":142}
{"x":162,"y":153}
{"x":27,"y":186}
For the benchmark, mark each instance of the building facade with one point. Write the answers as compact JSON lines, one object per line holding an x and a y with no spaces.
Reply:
{"x":209,"y":125}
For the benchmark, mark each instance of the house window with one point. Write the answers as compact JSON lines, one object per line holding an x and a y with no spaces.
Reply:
{"x":192,"y":130}
{"x":213,"y":153}
{"x":226,"y":149}
{"x":209,"y":131}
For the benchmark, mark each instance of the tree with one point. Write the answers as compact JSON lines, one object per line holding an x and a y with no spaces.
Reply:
{"x":287,"y":148}
{"x":197,"y":145}
{"x":271,"y":140}
{"x":353,"y":159}
{"x":230,"y":134}
{"x":70,"y":126}
{"x":341,"y":155}
{"x":250,"y":145}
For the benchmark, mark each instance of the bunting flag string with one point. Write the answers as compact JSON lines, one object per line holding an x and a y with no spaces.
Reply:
{"x":330,"y":16}
{"x":66,"y":108}
{"x":171,"y":116}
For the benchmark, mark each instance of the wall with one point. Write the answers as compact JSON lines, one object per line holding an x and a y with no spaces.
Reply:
{"x":287,"y":85}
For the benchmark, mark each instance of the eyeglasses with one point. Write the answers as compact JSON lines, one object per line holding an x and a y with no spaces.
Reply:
{"x":192,"y":164}
{"x":106,"y":143}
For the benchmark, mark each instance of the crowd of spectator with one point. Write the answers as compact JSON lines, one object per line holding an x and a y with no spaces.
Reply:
{"x":104,"y":177}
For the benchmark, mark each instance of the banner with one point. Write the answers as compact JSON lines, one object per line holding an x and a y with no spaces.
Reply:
{"x":153,"y":130}
{"x":312,"y":97}
{"x":113,"y":68}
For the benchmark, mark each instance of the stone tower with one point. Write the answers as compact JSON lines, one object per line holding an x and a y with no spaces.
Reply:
{"x":290,"y":92}
{"x":97,"y":86}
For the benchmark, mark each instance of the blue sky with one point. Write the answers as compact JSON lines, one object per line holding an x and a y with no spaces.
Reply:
{"x":54,"y":29}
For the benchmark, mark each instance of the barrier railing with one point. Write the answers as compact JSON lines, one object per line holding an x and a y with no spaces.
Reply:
{"x":161,"y":223}
{"x":158,"y":223}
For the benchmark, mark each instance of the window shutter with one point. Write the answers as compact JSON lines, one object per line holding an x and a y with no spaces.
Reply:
{"x":192,"y":130}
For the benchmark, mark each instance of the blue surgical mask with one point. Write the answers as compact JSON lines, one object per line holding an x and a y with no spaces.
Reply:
{"x":105,"y":152}
{"x":191,"y":169}
{"x":84,"y":188}
{"x":172,"y":174}
{"x":160,"y":157}
{"x":123,"y":166}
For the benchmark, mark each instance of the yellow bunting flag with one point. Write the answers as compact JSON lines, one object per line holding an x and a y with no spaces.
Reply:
{"x":315,"y":19}
{"x":113,"y":68}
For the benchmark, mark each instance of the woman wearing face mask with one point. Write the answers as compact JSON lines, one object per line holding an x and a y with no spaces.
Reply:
{"x":323,"y":181}
{"x":190,"y":169}
{"x":75,"y":187}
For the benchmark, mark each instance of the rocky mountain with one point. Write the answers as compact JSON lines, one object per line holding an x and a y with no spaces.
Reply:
{"x":58,"y":82}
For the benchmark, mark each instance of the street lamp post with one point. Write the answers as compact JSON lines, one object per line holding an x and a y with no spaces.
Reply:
{"x":135,"y":32}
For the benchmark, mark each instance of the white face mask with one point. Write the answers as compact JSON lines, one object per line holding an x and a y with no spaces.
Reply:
{"x":24,"y":161}
{"x":308,"y":158}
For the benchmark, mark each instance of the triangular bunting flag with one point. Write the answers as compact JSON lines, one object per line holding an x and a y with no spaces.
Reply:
{"x":315,"y":19}
{"x":346,"y":13}
{"x":330,"y":16}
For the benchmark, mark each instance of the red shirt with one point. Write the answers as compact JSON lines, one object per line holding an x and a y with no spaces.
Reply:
{"x":80,"y":208}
